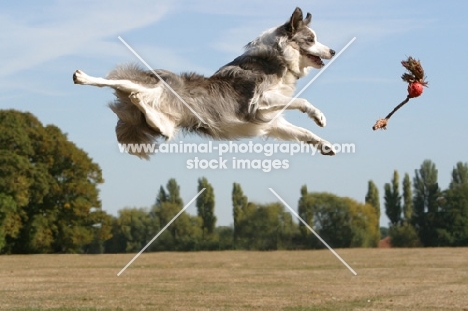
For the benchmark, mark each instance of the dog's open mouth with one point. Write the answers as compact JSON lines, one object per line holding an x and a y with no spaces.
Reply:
{"x":317,"y":60}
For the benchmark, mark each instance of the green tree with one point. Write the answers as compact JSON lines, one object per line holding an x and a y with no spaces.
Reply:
{"x":161,"y":197}
{"x":239,"y":205}
{"x":184,"y":233}
{"x":132,"y":231}
{"x":205,"y":207}
{"x":173,"y":195}
{"x":244,"y":228}
{"x":452,"y":222}
{"x":393,"y":200}
{"x":453,"y":218}
{"x":102,"y":227}
{"x":364,"y":224}
{"x":10,"y":220}
{"x":407,"y":199}
{"x":426,"y":192}
{"x":266,"y":227}
{"x":372,"y":198}
{"x":304,"y":211}
{"x":459,"y":175}
{"x":343,"y":222}
{"x":53,"y":185}
{"x":225,"y":237}
{"x":404,"y":234}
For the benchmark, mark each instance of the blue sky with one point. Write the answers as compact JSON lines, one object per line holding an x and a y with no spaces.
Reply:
{"x":43,"y":43}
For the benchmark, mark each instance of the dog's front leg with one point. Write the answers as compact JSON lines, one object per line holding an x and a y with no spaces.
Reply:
{"x":127,"y":86}
{"x":282,"y":129}
{"x":275,"y":101}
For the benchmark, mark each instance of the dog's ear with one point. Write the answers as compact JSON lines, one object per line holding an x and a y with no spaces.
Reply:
{"x":295,"y":21}
{"x":308,"y":19}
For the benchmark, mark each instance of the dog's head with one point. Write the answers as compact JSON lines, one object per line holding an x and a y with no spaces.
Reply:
{"x":304,"y":39}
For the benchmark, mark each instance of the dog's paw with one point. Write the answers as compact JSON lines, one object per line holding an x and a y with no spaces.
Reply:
{"x":79,"y":77}
{"x":135,"y":97}
{"x":319,"y":118}
{"x":325,"y":148}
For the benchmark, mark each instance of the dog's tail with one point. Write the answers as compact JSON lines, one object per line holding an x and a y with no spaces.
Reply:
{"x":132,"y":128}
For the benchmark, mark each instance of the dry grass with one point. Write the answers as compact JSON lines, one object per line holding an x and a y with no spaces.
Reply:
{"x":388,"y":279}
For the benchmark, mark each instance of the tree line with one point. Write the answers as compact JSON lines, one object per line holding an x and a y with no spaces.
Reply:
{"x":49,"y":203}
{"x":343,"y":222}
{"x":424,"y":214}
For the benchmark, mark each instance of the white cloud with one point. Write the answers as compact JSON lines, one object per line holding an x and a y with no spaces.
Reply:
{"x":68,"y":28}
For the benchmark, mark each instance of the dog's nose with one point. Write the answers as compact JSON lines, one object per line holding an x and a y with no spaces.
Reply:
{"x":332,"y":52}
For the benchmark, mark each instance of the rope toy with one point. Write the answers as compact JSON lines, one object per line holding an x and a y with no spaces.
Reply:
{"x":416,"y":83}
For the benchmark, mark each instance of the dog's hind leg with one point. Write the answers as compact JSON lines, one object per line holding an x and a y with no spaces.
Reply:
{"x":127,"y":86}
{"x":284,"y":130}
{"x":275,"y":101}
{"x":154,"y":118}
{"x":142,"y":97}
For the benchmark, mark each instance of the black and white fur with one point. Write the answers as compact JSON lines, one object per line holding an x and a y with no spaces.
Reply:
{"x":242,"y":99}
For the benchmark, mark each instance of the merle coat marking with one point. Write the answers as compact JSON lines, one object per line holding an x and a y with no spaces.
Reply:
{"x":242,"y":99}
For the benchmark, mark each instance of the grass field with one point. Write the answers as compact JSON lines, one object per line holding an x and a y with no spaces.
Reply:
{"x":388,"y":279}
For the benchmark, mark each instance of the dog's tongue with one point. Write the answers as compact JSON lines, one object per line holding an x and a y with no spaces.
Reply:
{"x":315,"y":59}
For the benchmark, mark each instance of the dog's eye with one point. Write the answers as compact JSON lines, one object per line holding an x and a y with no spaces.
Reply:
{"x":311,"y":40}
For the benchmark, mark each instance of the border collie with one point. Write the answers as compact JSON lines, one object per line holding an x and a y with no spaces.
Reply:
{"x":242,"y":99}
